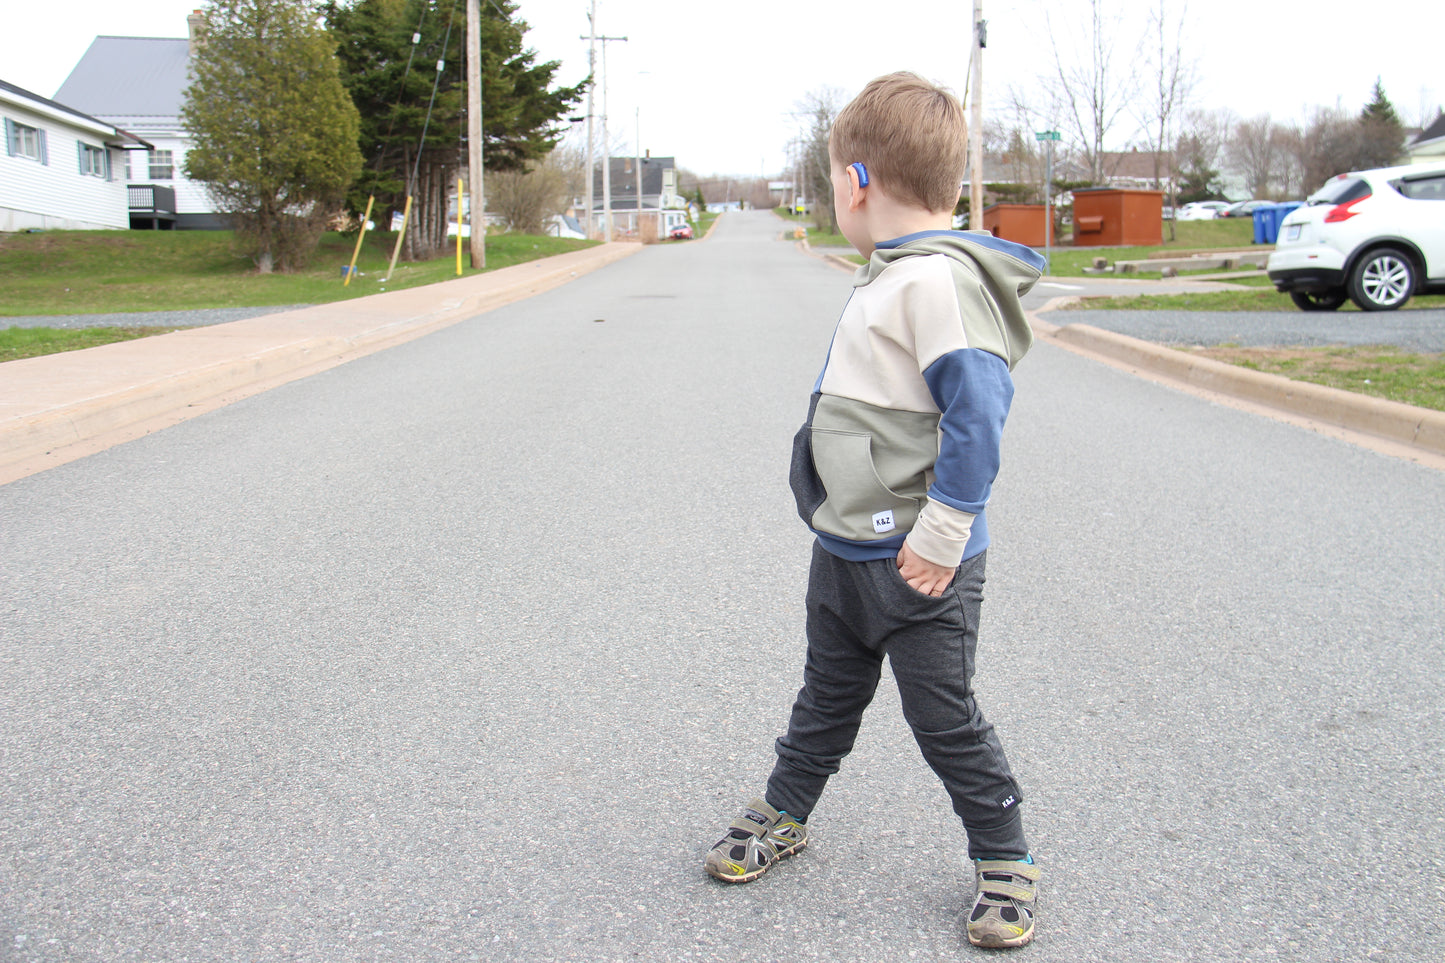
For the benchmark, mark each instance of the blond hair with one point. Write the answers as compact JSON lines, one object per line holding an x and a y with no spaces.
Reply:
{"x":910,"y":134}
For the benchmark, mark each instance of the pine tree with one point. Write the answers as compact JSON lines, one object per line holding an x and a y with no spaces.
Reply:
{"x":1381,"y":134}
{"x":520,"y":107}
{"x":273,"y":129}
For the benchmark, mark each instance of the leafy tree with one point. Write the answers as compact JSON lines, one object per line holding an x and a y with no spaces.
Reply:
{"x":273,"y":130}
{"x":392,"y":84}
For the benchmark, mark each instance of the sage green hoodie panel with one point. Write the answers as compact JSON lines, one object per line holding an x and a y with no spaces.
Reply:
{"x":989,"y":282}
{"x":877,"y":463}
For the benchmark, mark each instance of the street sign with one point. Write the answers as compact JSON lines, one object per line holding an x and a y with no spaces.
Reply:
{"x":1047,"y":135}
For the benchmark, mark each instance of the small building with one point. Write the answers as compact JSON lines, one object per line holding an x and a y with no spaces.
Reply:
{"x":1020,"y":223}
{"x":139,"y":83}
{"x":62,"y":169}
{"x":1108,"y":217}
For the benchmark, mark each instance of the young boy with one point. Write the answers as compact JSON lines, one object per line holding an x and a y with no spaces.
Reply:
{"x":892,"y":472}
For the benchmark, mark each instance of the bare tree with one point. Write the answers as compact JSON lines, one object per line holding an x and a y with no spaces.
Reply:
{"x":1173,"y":78}
{"x":1095,"y":92}
{"x":1200,"y":151}
{"x":527,"y":199}
{"x":1253,"y":153}
{"x":817,"y":111}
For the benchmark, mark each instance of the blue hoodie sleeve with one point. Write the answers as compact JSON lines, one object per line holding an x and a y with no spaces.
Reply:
{"x":973,"y":391}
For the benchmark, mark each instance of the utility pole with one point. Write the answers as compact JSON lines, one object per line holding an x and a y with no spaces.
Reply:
{"x":975,"y":183}
{"x":478,"y":216}
{"x":638,"y":169}
{"x":591,"y":39}
{"x":606,"y":144}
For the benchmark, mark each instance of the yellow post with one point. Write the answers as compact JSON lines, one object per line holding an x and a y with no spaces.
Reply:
{"x":459,"y":227}
{"x":400,"y":236}
{"x":351,"y":268}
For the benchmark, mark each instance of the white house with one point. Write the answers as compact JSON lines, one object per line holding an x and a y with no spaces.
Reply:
{"x":62,"y":169}
{"x":139,"y":83}
{"x":1429,"y":144}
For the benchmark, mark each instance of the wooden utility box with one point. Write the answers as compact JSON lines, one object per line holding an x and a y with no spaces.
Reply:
{"x":1112,"y":217}
{"x":1021,"y":223}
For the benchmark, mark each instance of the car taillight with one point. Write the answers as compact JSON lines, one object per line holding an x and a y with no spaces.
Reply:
{"x":1343,"y":211}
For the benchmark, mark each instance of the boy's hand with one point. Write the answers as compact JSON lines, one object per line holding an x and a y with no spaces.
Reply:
{"x":921,"y":574}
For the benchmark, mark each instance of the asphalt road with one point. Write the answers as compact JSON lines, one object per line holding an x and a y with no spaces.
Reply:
{"x":467,"y":650}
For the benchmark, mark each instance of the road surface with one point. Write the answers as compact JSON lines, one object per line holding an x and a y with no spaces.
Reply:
{"x":467,"y":650}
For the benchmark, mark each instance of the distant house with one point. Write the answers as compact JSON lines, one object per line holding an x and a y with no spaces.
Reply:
{"x":1136,"y":169}
{"x":660,"y":199}
{"x":139,"y":83}
{"x":62,"y":169}
{"x":1429,"y":144}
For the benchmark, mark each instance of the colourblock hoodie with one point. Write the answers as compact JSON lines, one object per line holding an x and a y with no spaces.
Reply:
{"x":902,"y":436}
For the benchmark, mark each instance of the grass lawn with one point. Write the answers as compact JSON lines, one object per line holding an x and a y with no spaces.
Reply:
{"x":1378,"y":370}
{"x":90,"y":272}
{"x":17,"y":343}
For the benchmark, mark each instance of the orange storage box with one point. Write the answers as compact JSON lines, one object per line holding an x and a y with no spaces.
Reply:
{"x":1112,"y":217}
{"x":1021,"y":223}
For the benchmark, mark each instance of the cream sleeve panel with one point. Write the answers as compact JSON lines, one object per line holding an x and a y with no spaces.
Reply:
{"x":891,"y":331}
{"x":941,"y":534}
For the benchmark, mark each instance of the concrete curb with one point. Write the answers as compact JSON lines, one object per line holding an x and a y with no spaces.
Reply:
{"x":1417,"y":428}
{"x":56,"y":408}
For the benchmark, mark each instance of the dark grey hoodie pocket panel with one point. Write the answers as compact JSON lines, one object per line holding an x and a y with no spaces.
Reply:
{"x":803,"y":478}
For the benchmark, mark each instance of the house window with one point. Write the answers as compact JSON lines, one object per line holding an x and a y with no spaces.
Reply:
{"x":22,"y":140}
{"x":92,"y":161}
{"x":162,"y":165}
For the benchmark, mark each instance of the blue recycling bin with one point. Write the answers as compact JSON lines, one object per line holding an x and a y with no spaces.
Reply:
{"x":1267,"y":220}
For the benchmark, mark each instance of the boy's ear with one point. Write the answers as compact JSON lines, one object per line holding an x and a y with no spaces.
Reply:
{"x":857,"y":192}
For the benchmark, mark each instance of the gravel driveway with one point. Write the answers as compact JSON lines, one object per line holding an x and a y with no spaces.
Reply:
{"x":1415,"y":330}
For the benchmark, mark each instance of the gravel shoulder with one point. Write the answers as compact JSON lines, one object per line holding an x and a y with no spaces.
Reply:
{"x":158,"y":319}
{"x":1420,"y":330}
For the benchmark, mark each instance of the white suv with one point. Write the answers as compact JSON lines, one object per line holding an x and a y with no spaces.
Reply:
{"x":1375,"y":237}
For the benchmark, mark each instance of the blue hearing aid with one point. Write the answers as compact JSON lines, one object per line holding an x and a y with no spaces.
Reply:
{"x":862,"y":174}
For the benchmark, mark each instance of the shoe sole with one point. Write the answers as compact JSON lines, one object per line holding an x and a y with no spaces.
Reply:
{"x":749,"y":877}
{"x":990,"y":941}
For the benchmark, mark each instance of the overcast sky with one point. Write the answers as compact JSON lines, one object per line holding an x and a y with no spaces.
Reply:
{"x":717,"y":84}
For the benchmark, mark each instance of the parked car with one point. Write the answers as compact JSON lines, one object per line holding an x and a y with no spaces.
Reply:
{"x":1375,"y":237}
{"x":683,"y":232}
{"x":1243,"y":208}
{"x":1200,"y":210}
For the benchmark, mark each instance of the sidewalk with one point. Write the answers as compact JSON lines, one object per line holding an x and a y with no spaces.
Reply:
{"x":60,"y":407}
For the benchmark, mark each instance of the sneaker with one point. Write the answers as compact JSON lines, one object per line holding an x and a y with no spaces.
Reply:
{"x":755,"y":841}
{"x":1003,"y":912}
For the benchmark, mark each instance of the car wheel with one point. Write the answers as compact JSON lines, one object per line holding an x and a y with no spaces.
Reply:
{"x":1382,"y":281}
{"x":1318,"y":301}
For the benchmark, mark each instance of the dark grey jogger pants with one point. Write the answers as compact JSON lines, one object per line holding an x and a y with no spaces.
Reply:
{"x":857,"y":613}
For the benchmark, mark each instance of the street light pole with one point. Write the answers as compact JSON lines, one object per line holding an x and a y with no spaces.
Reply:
{"x":606,"y":145}
{"x":591,"y":39}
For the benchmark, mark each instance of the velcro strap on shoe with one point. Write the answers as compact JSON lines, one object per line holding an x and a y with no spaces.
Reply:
{"x":1008,"y":878}
{"x":750,"y":826}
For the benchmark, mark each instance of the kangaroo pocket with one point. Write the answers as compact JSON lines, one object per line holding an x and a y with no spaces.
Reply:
{"x":857,"y":504}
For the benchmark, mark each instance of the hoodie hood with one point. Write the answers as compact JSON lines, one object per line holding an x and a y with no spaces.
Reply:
{"x":991,"y":276}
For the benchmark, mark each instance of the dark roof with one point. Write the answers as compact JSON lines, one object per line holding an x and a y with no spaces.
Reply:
{"x":130,"y":77}
{"x":124,"y":136}
{"x":1435,"y":130}
{"x":624,"y":177}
